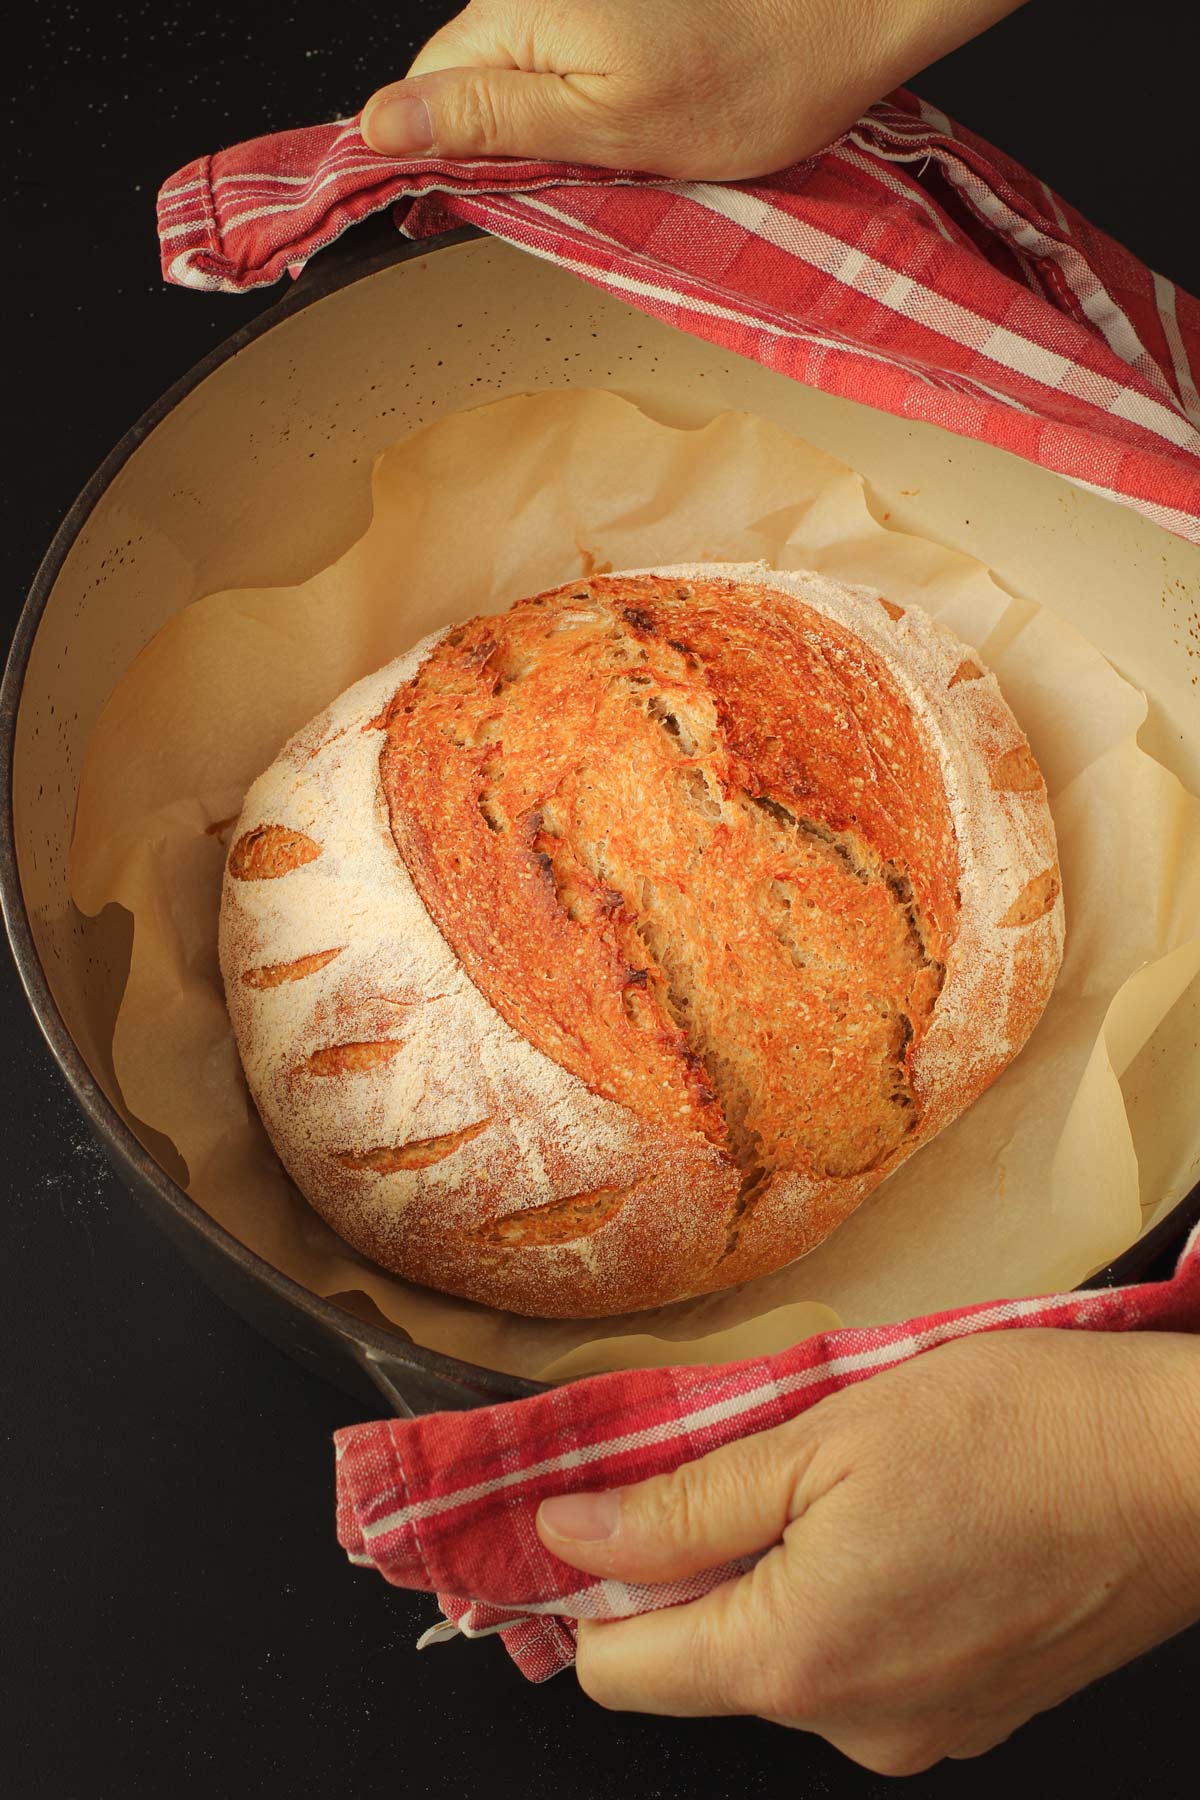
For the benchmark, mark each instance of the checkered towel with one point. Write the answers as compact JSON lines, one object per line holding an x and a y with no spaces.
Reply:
{"x":912,"y":267}
{"x":446,"y":1504}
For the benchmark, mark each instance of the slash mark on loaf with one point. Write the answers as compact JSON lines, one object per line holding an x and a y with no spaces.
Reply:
{"x":558,"y":1221}
{"x":269,"y":851}
{"x":353,"y":1059}
{"x":418,"y":1153}
{"x":1035,"y":899}
{"x":269,"y":975}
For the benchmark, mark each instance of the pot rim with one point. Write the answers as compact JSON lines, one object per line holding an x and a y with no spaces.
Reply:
{"x":343,"y":264}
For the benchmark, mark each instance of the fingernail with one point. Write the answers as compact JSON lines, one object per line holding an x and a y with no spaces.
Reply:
{"x":398,"y":127}
{"x":584,"y":1517}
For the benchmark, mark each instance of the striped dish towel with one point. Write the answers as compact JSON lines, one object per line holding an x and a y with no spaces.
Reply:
{"x":911,"y":267}
{"x":446,"y":1504}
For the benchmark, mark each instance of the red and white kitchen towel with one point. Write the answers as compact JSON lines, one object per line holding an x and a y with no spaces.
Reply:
{"x":446,"y":1504}
{"x":912,"y":267}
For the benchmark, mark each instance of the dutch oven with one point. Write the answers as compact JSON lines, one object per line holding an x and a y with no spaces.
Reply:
{"x":255,"y":469}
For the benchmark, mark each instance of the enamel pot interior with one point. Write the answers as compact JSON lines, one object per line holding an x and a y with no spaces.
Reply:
{"x":256,"y":470}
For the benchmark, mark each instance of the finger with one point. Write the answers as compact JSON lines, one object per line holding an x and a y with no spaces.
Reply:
{"x":683,"y":1662}
{"x":498,"y":112}
{"x":457,"y":46}
{"x":733,"y":1501}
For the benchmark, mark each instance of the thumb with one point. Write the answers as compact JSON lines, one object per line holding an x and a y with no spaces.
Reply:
{"x":493,"y":112}
{"x":734,"y":1501}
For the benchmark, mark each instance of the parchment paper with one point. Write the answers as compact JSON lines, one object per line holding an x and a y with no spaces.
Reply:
{"x":1032,"y":1189}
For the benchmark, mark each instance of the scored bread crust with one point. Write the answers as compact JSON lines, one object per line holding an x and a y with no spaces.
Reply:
{"x":417,"y":1108}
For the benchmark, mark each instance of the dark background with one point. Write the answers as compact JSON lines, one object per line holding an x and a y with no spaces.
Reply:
{"x":176,"y":1618}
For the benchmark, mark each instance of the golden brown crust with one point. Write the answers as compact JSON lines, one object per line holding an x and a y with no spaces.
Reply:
{"x":730,"y":890}
{"x":651,"y":820}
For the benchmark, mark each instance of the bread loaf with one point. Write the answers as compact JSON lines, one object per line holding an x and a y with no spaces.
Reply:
{"x":612,"y":950}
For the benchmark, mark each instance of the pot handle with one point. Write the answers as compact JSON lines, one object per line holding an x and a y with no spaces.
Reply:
{"x":423,"y":1381}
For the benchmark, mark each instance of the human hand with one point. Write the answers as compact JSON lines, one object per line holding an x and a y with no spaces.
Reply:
{"x":694,"y":89}
{"x":958,"y":1544}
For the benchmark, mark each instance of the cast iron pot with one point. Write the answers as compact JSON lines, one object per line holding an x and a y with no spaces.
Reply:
{"x":254,"y":468}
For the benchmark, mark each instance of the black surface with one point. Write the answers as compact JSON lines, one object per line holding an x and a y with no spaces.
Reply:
{"x":176,"y":1617}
